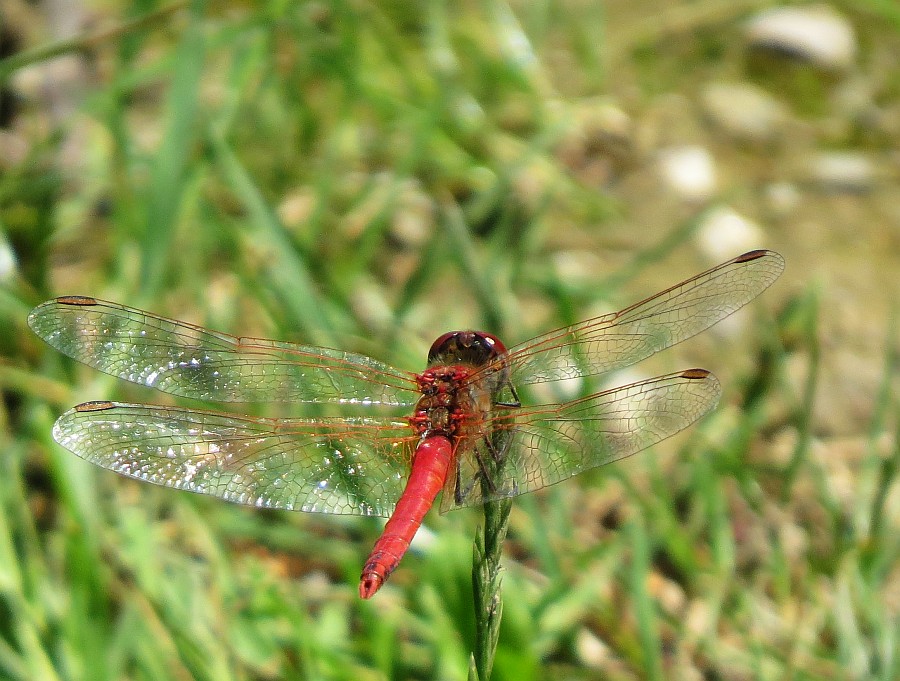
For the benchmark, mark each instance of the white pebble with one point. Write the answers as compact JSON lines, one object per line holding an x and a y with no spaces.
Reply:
{"x":724,"y":233}
{"x":690,"y":171}
{"x":8,"y":264}
{"x":743,"y":111}
{"x":843,"y":171}
{"x":816,"y":34}
{"x":781,"y":198}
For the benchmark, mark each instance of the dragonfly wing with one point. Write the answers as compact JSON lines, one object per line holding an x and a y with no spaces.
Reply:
{"x":343,"y":466}
{"x":189,"y":361}
{"x":620,"y":339}
{"x":548,"y":444}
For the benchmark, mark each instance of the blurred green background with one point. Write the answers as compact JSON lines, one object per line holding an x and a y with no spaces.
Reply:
{"x":370,"y":175}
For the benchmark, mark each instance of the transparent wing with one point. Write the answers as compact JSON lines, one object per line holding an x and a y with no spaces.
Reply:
{"x":620,"y":339}
{"x":344,"y":466}
{"x":538,"y":447}
{"x":189,"y":361}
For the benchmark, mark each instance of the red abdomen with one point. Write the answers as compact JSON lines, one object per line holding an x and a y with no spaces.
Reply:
{"x":429,"y":470}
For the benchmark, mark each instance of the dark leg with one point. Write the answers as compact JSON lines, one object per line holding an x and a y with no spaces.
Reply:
{"x":515,"y":404}
{"x":485,"y":474}
{"x":458,"y":494}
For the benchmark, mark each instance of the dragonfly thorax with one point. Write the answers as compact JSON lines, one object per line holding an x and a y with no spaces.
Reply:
{"x":446,"y":402}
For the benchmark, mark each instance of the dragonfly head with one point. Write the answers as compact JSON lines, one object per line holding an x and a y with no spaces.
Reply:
{"x":476,"y":348}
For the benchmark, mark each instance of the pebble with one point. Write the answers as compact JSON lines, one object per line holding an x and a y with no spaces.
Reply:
{"x":781,"y":199}
{"x":843,"y":172}
{"x":602,"y":122}
{"x":577,"y":267}
{"x":369,"y":304}
{"x":14,"y":149}
{"x":743,"y":111}
{"x":690,"y":171}
{"x":8,"y":264}
{"x":591,"y":649}
{"x":725,"y":232}
{"x":816,"y":34}
{"x":598,"y":138}
{"x":413,"y":221}
{"x":57,"y":84}
{"x":297,"y":207}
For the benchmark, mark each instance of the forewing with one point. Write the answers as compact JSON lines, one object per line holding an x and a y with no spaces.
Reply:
{"x":545,"y":445}
{"x":344,"y":466}
{"x":620,"y":339}
{"x":189,"y":361}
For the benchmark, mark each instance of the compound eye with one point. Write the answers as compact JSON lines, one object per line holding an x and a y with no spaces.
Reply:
{"x":471,"y":347}
{"x":441,"y":345}
{"x":496,"y":345}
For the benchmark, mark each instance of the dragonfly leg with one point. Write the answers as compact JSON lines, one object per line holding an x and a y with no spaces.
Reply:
{"x":458,"y":494}
{"x":459,"y":491}
{"x":485,"y":474}
{"x":499,"y":453}
{"x":515,"y":403}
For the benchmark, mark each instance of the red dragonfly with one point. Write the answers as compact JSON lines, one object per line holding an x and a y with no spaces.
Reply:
{"x":469,"y":435}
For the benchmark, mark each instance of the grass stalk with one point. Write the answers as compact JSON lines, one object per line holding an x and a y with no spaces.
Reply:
{"x":85,"y":43}
{"x":486,"y":580}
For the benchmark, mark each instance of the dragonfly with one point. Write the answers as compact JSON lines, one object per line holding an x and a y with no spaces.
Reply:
{"x":474,"y":433}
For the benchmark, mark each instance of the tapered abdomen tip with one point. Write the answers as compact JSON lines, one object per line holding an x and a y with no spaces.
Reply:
{"x":369,"y":584}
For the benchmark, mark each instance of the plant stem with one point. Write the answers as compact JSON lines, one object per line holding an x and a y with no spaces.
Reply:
{"x":81,"y":43}
{"x":486,"y":587}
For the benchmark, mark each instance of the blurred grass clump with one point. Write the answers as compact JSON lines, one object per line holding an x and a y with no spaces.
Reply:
{"x":368,"y":176}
